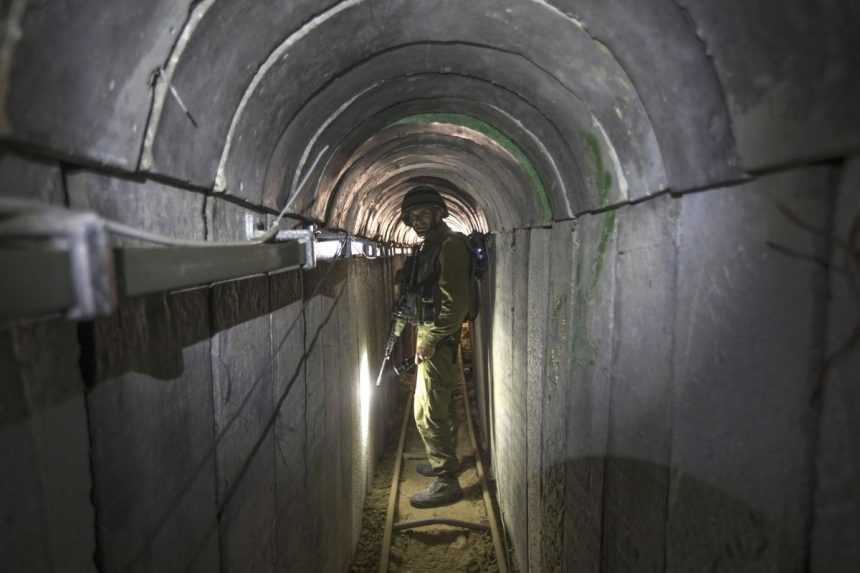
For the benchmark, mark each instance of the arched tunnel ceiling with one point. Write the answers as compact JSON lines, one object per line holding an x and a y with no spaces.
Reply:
{"x":350,"y":126}
{"x":584,"y":89}
{"x":435,"y":40}
{"x":609,"y":100}
{"x":484,"y":182}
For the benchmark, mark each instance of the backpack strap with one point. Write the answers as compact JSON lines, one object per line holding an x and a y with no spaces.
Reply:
{"x":426,"y":277}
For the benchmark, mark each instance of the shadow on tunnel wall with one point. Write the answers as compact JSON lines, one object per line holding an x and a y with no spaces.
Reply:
{"x":31,"y":351}
{"x":623,"y":514}
{"x":147,"y":334}
{"x":163,"y":468}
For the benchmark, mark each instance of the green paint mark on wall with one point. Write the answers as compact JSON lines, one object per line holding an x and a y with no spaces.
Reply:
{"x":584,"y":348}
{"x":499,"y":137}
{"x":606,"y":231}
{"x":587,"y":292}
{"x":604,"y":185}
{"x":603,"y":178}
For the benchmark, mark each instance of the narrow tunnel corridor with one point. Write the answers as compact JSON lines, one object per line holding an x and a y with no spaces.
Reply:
{"x":667,"y":353}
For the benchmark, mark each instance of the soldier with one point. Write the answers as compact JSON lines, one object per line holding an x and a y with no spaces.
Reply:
{"x":442,"y":280}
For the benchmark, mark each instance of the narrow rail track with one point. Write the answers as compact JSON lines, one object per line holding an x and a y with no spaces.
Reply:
{"x":392,"y":526}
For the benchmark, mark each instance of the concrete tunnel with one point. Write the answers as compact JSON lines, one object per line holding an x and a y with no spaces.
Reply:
{"x":667,"y":353}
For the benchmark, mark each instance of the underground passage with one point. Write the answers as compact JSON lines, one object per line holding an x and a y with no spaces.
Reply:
{"x":205,"y":225}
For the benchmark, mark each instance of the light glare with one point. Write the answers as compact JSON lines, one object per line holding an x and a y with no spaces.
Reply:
{"x":365,"y":394}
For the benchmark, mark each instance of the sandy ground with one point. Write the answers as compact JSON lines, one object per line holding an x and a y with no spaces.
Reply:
{"x":428,"y":549}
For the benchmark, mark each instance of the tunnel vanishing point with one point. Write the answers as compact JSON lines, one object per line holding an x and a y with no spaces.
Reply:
{"x":667,"y":353}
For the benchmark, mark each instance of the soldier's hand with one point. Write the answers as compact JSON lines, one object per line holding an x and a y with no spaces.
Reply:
{"x":424,"y":352}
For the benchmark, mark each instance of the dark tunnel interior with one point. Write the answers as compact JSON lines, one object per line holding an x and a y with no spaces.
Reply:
{"x":667,"y":353}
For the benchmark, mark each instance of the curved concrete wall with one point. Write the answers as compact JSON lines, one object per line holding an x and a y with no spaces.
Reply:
{"x":652,"y":360}
{"x":242,"y":97}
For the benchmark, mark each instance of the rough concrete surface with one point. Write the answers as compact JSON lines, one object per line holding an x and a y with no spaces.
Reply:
{"x":836,"y":522}
{"x":517,"y":474}
{"x":656,"y":43}
{"x":242,"y":372}
{"x":788,"y":71}
{"x":80,"y":76}
{"x":27,"y":177}
{"x":226,"y":221}
{"x":539,"y":267}
{"x":552,"y":470}
{"x":588,"y":403}
{"x":151,"y":425}
{"x":260,"y":25}
{"x":46,"y":519}
{"x":663,"y":380}
{"x":324,"y":290}
{"x":144,"y":204}
{"x":636,"y":473}
{"x":288,"y":331}
{"x":749,"y":286}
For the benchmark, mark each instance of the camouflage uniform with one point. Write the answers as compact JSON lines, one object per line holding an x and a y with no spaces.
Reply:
{"x":445,"y":259}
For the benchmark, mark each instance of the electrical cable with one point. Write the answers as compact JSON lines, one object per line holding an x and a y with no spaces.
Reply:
{"x":134,"y":233}
{"x":23,"y":206}
{"x":15,"y":206}
{"x":20,"y":228}
{"x":18,"y":206}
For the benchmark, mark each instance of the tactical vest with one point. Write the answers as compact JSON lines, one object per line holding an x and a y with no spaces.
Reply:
{"x":424,"y":279}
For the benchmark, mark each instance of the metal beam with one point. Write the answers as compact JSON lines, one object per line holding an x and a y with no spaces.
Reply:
{"x":39,"y":282}
{"x":150,"y":270}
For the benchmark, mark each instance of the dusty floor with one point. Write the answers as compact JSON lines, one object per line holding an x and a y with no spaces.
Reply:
{"x":366,"y":559}
{"x":428,"y":549}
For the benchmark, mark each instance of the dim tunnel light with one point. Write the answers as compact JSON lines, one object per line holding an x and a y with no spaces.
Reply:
{"x":365,"y":397}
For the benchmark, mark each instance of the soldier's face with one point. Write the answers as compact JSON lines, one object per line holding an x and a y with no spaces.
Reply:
{"x":424,"y":219}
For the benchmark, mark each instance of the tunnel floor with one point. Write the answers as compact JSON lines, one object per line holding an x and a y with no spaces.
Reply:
{"x":428,"y":549}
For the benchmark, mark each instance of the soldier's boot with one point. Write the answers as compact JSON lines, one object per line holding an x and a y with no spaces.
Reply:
{"x":427,"y":470}
{"x":443,"y":491}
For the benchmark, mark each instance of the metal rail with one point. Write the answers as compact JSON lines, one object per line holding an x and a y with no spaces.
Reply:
{"x":58,"y":261}
{"x":43,"y":281}
{"x":145,"y":271}
{"x":394,"y":494}
{"x":404,"y":525}
{"x":495,"y":533}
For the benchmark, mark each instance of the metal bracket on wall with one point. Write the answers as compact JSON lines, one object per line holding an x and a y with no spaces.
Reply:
{"x":304,"y":237}
{"x":63,"y":262}
{"x":338,"y":244}
{"x":56,"y":264}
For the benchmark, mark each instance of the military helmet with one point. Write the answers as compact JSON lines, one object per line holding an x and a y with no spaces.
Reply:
{"x":421,"y":196}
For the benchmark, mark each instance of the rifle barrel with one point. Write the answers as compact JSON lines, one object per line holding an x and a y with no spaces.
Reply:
{"x":381,"y":372}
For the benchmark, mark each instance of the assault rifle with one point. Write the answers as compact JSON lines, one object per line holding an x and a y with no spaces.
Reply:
{"x":408,"y":365}
{"x":405,"y":312}
{"x":409,"y":301}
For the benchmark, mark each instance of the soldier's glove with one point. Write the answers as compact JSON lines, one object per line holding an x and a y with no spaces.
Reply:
{"x":424,"y":352}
